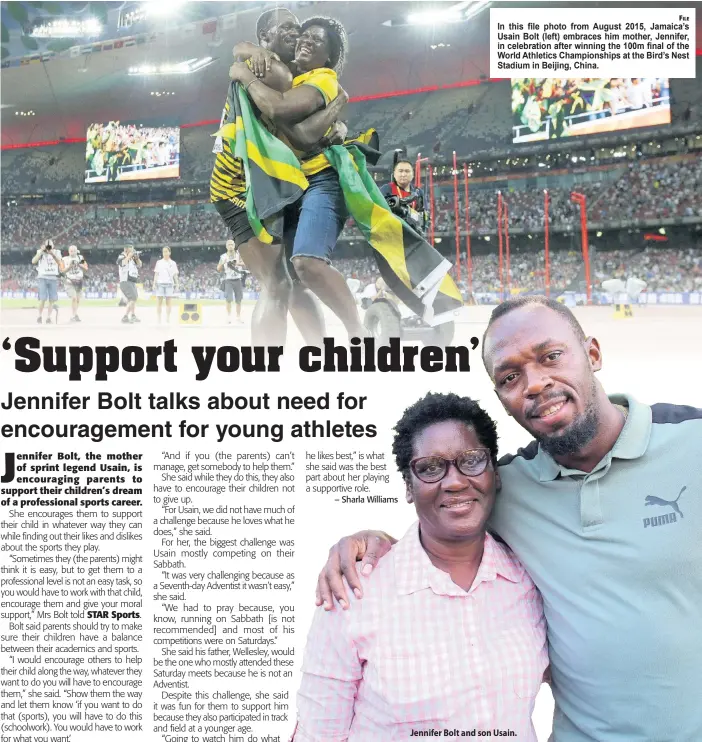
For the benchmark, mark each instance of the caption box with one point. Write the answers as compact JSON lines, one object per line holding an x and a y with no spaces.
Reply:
{"x":611,"y":42}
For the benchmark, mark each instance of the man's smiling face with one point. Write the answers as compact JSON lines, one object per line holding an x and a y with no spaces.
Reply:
{"x":281,"y":37}
{"x":543,"y":372}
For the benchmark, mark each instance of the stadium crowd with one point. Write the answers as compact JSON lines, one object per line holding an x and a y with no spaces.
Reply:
{"x":645,"y":190}
{"x":664,"y":270}
{"x":674,"y":270}
{"x":651,"y":190}
{"x":26,"y":226}
{"x":166,"y":226}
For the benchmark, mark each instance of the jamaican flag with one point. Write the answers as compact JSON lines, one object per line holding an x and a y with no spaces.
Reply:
{"x":274,"y":177}
{"x":413,"y":270}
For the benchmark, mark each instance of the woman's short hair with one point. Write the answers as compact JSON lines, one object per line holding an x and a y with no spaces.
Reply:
{"x":338,"y":40}
{"x":437,"y":408}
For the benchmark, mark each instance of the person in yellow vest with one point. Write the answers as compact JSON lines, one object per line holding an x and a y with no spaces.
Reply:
{"x":314,"y":223}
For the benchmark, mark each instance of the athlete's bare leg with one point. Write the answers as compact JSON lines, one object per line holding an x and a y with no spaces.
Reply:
{"x":270,"y":318}
{"x":331,"y":287}
{"x":306,"y":311}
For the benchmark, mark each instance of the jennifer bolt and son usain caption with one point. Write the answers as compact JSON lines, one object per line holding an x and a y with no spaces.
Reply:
{"x":346,"y":356}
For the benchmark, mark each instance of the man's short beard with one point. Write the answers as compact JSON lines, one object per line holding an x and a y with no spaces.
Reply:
{"x":286,"y":54}
{"x":576,"y":436}
{"x":286,"y":57}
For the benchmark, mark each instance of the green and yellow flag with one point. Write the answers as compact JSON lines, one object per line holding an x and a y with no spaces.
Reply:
{"x":413,"y":270}
{"x":274,"y":177}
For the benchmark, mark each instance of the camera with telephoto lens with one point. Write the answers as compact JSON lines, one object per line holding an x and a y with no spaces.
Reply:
{"x":70,"y":260}
{"x":401,"y":207}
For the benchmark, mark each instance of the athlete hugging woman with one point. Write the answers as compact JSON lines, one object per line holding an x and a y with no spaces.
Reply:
{"x":314,"y":223}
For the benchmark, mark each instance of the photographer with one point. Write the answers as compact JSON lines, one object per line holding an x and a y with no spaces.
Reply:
{"x":231,"y":265}
{"x":129,"y":263}
{"x":49,"y":266}
{"x":404,"y":200}
{"x":74,"y":272}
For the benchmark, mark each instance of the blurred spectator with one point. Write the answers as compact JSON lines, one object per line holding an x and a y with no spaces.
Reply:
{"x":664,"y":269}
{"x":648,"y":190}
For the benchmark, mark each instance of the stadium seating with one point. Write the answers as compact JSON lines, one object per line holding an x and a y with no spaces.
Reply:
{"x":466,"y":120}
{"x":663,"y":269}
{"x":646,"y":190}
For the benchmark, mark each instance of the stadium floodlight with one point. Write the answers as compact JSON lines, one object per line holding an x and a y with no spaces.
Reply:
{"x":435,"y":17}
{"x":177,"y":68}
{"x":162,"y":8}
{"x":132,"y":14}
{"x":458,"y":13}
{"x":475,"y":8}
{"x":67,"y":28}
